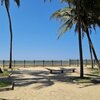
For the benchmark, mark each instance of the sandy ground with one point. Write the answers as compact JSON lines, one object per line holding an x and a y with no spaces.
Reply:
{"x":38,"y":84}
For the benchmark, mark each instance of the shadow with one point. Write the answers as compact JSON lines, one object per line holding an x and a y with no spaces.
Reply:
{"x":5,"y":89}
{"x":92,"y":75}
{"x":96,"y":80}
{"x":88,"y":85}
{"x":8,"y":99}
{"x":43,"y":78}
{"x":7,"y":84}
{"x":37,"y":77}
{"x":44,"y":84}
{"x":93,"y":81}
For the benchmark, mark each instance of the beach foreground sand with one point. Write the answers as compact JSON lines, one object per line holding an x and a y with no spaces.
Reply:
{"x":38,"y":84}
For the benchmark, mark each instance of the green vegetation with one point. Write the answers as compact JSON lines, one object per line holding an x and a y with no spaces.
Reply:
{"x":5,"y":83}
{"x":81,"y":80}
{"x":5,"y":73}
{"x":95,"y":71}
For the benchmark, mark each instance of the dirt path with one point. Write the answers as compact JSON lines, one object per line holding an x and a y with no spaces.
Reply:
{"x":39,"y":84}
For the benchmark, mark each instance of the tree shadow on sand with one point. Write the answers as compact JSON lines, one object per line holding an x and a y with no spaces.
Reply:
{"x":39,"y":76}
{"x":8,"y":99}
{"x":93,"y":80}
{"x":44,"y":79}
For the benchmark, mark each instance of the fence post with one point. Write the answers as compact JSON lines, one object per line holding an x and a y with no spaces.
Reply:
{"x":77,"y":63}
{"x":3,"y":63}
{"x":69,"y":62}
{"x":14,"y":63}
{"x":34,"y":62}
{"x":43,"y":63}
{"x":24,"y":63}
{"x":61,"y":62}
{"x":52,"y":62}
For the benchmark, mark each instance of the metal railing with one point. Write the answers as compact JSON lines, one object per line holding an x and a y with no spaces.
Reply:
{"x":43,"y":63}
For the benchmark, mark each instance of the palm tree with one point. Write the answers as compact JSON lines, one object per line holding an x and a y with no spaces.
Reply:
{"x":90,"y":19}
{"x":69,"y":18}
{"x":78,"y":10}
{"x":90,"y":10}
{"x":91,"y":57}
{"x":6,"y":3}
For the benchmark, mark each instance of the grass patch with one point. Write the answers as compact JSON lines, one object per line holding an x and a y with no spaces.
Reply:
{"x":4,"y":79}
{"x":5,"y":83}
{"x":82,"y":80}
{"x":5,"y":73}
{"x":95,"y":71}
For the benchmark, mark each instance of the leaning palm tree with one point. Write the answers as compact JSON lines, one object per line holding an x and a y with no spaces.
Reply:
{"x":6,"y":3}
{"x":91,"y":56}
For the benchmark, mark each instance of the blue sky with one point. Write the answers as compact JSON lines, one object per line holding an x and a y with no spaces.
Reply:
{"x":35,"y":35}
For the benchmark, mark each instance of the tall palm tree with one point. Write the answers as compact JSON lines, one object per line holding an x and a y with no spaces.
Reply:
{"x":6,"y":3}
{"x":91,"y":18}
{"x":79,"y":10}
{"x":69,"y":17}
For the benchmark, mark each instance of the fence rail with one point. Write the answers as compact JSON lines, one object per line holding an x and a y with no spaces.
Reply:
{"x":43,"y":63}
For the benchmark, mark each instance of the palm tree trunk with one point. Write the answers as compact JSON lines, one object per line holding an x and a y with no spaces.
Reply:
{"x":91,"y":57}
{"x":92,"y":47}
{"x":80,"y":49}
{"x":11,"y":34}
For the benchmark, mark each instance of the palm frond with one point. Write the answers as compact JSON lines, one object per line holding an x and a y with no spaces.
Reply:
{"x":17,"y":2}
{"x":64,"y":12}
{"x":64,"y":27}
{"x":7,"y":2}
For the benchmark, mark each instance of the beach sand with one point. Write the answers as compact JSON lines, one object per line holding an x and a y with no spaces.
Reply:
{"x":38,"y":84}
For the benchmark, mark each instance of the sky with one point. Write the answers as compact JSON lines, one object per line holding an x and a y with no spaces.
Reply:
{"x":35,"y":34}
